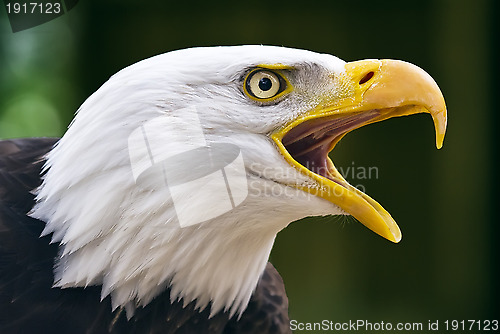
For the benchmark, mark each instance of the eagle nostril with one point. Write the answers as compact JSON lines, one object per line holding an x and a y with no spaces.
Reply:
{"x":366,"y":78}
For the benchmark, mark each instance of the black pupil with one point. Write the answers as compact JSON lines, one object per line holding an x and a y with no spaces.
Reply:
{"x":265,"y":84}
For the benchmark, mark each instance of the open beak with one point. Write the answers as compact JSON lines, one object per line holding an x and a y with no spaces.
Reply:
{"x":366,"y":92}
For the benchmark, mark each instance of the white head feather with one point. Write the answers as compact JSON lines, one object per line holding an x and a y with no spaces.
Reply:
{"x":127,"y":237}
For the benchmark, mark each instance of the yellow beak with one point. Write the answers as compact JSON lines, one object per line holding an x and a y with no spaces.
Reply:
{"x":367,"y":91}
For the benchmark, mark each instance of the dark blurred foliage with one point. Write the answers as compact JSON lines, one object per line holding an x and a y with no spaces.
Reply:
{"x":446,"y":266}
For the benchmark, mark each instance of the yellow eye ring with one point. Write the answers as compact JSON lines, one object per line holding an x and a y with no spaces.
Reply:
{"x":264,"y":85}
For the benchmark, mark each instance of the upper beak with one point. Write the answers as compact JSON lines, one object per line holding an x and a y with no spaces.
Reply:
{"x":367,"y":91}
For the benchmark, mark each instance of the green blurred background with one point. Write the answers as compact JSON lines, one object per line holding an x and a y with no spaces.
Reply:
{"x":446,"y":266}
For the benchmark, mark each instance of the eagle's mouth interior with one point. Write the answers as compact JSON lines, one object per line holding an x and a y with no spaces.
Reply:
{"x":310,"y":142}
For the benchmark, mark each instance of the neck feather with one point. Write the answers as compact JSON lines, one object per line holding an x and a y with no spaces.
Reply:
{"x":135,"y":254}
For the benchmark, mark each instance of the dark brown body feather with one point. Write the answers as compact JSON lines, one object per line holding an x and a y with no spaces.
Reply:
{"x":29,"y":304}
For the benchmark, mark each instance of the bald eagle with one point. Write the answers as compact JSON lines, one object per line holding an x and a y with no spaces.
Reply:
{"x":157,"y":210}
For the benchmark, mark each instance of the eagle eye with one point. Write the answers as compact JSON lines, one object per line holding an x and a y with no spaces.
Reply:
{"x":263,"y":85}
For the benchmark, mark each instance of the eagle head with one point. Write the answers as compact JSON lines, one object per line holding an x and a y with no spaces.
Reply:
{"x":179,"y":171}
